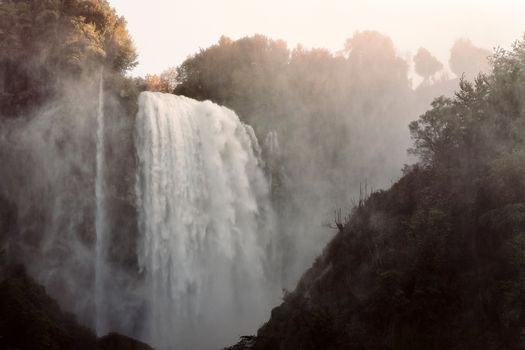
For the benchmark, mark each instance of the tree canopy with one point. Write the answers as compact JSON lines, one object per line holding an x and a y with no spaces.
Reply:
{"x":467,"y":59}
{"x":42,"y":40}
{"x":426,"y":65}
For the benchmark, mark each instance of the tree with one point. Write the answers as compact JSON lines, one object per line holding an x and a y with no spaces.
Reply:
{"x":426,"y":64}
{"x":40,"y":41}
{"x":152,"y":82}
{"x":371,"y":59}
{"x":468,"y":60}
{"x":119,"y":52}
{"x":230,"y":71}
{"x":169,"y":79}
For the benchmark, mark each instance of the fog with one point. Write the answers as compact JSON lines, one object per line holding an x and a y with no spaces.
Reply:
{"x":49,"y":172}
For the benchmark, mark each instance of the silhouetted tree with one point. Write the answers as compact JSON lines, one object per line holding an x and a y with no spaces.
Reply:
{"x":467,"y":59}
{"x":426,"y":65}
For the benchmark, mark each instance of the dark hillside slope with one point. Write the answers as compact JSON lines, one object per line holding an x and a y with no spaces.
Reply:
{"x":437,"y":261}
{"x":31,"y":320}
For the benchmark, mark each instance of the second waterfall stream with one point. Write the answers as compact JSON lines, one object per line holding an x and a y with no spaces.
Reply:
{"x":205,"y":223}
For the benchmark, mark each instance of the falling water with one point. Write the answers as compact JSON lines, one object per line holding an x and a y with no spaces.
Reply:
{"x":100,"y":223}
{"x":204,"y":220}
{"x":273,"y":153}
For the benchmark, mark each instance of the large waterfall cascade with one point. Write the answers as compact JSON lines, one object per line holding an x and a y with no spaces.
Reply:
{"x":205,"y":223}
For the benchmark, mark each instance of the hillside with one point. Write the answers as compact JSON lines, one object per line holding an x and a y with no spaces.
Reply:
{"x":435,"y":262}
{"x":32,"y":320}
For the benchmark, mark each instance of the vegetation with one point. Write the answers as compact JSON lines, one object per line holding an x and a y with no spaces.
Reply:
{"x":426,"y":65}
{"x":467,"y":59}
{"x":264,"y":81}
{"x":436,"y":262}
{"x":44,"y":42}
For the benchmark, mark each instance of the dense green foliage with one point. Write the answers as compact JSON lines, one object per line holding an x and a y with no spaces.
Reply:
{"x":437,"y":261}
{"x":42,"y":42}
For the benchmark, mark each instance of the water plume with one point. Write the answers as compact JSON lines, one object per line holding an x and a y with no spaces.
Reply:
{"x":100,"y":215}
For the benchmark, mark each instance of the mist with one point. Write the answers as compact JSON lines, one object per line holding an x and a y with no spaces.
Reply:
{"x":49,"y":173}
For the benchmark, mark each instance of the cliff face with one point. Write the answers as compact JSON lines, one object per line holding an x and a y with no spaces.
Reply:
{"x":32,"y":320}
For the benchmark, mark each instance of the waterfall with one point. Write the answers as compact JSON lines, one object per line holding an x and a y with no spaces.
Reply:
{"x":100,"y":216}
{"x":205,"y":222}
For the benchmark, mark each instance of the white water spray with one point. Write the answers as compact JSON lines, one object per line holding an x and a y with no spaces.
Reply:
{"x":204,"y":220}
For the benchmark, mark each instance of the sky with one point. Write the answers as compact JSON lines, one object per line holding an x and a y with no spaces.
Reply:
{"x":166,"y":32}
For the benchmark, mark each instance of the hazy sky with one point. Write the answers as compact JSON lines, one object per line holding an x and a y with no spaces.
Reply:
{"x":167,"y":31}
